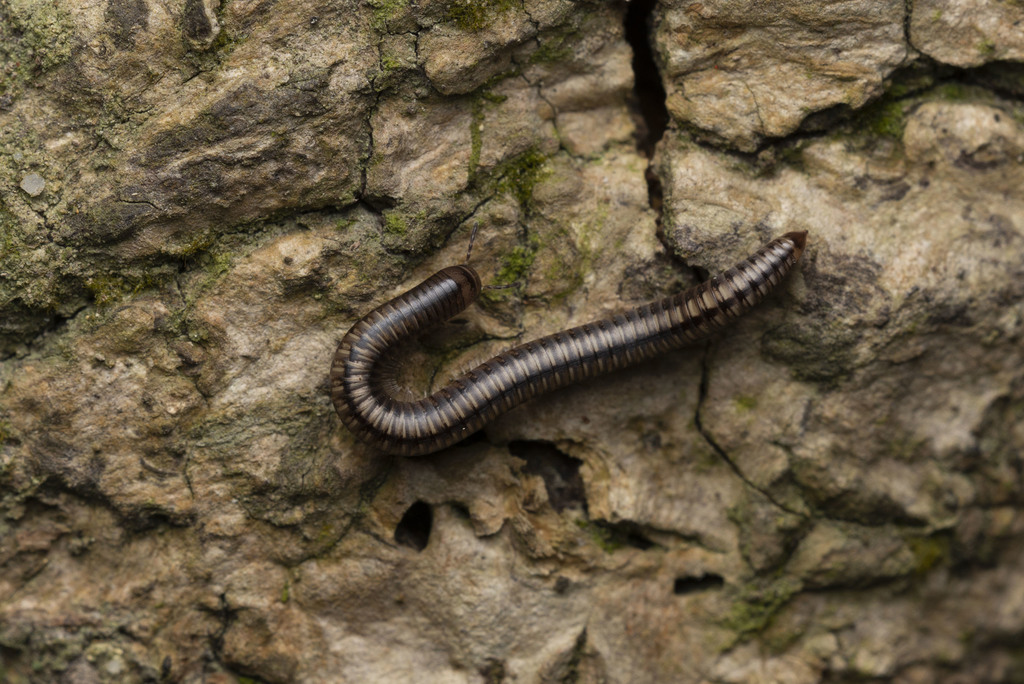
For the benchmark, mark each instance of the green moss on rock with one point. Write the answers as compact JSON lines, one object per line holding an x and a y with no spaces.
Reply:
{"x":38,"y":35}
{"x":928,"y":552}
{"x":758,"y":603}
{"x":107,"y":289}
{"x":395,"y":223}
{"x":745,"y":403}
{"x":885,"y":118}
{"x":606,"y":538}
{"x":472,"y":15}
{"x":521,"y":174}
{"x":385,"y":11}
{"x":517,"y":264}
{"x":483,"y":98}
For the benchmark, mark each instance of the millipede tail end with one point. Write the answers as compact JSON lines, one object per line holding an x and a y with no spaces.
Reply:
{"x":366,"y":405}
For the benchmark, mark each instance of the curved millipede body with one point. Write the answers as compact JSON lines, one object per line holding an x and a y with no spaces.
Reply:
{"x":412,"y":428}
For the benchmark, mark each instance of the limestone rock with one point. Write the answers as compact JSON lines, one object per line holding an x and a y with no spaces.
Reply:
{"x":830,"y":491}
{"x":742,"y":72}
{"x":968,"y":33}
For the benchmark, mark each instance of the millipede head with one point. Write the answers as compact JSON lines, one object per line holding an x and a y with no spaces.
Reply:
{"x":798,"y":238}
{"x":467,"y":279}
{"x":365,"y":395}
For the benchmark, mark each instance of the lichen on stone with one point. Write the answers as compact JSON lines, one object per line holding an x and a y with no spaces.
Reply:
{"x":828,"y":491}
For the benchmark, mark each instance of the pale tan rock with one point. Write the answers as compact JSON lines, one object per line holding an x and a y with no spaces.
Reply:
{"x":459,"y":60}
{"x":742,"y":72}
{"x":968,"y":33}
{"x":895,"y":284}
{"x":831,"y":490}
{"x":969,"y":135}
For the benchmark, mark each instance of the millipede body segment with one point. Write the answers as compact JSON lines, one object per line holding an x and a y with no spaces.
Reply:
{"x":360,"y":390}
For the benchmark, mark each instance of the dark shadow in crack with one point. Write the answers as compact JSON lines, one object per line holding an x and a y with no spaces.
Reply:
{"x":647,"y":86}
{"x":692,"y":585}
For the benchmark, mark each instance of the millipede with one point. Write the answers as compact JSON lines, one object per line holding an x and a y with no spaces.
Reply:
{"x":362,"y":391}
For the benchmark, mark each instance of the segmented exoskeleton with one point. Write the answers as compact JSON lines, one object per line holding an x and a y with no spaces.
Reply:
{"x":412,"y":428}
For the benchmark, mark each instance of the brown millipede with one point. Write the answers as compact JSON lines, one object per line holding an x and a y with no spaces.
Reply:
{"x":413,"y":428}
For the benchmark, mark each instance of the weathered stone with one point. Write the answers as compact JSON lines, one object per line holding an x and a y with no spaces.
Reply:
{"x":896,"y":285}
{"x":968,"y":33}
{"x":831,"y":490}
{"x":742,"y":72}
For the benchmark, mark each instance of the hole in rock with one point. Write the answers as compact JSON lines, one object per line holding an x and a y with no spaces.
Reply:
{"x":647,"y":87}
{"x":692,"y":585}
{"x":560,"y":472}
{"x":414,"y":528}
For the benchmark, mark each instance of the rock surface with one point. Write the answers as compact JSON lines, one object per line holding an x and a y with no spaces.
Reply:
{"x":741,"y":72}
{"x":833,"y":491}
{"x":968,"y":33}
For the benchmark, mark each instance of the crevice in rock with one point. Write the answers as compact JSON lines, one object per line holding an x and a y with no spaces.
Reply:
{"x":906,"y":81}
{"x":705,"y":372}
{"x":185,"y":474}
{"x":414,"y":528}
{"x":649,"y":94}
{"x":142,"y":202}
{"x":364,"y":166}
{"x":36,"y":326}
{"x":757,"y":109}
{"x":554,"y":109}
{"x":1004,"y":78}
{"x":578,"y":651}
{"x":493,"y":671}
{"x":530,"y":18}
{"x":908,"y":10}
{"x":225,"y":615}
{"x":134,"y":518}
{"x":560,"y":472}
{"x":697,"y":583}
{"x":881,"y":116}
{"x":624,"y":533}
{"x":647,"y":86}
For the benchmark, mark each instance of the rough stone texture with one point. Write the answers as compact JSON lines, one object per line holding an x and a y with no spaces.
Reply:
{"x":741,"y":72}
{"x":832,"y":492}
{"x":968,"y":33}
